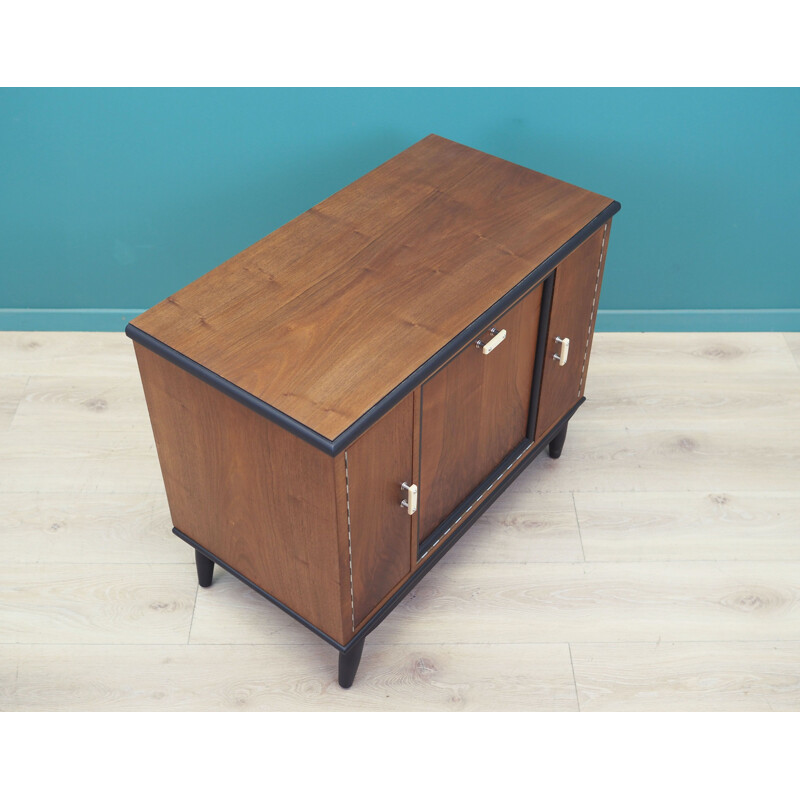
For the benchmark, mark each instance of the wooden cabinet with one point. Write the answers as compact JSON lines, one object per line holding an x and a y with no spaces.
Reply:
{"x":335,"y":406}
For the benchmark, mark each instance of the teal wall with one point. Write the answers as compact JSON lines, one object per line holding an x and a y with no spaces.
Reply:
{"x":110,"y":199}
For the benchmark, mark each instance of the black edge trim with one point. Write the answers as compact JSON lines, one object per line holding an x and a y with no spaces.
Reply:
{"x":349,"y":435}
{"x":236,"y":574}
{"x":231,"y":389}
{"x":418,"y":441}
{"x":541,"y":346}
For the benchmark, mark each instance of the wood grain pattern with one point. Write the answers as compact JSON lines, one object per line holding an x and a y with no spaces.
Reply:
{"x":713,"y":526}
{"x":716,"y":401}
{"x":689,"y":358}
{"x":53,"y":403}
{"x":793,"y":340}
{"x":94,"y":603}
{"x":268,"y":499}
{"x":104,"y":528}
{"x":688,"y":676}
{"x":520,"y":528}
{"x":102,"y":355}
{"x":324,"y":317}
{"x":449,"y":677}
{"x":80,"y":460}
{"x":378,"y":463}
{"x":555,"y":602}
{"x":475,"y":412}
{"x":526,"y":212}
{"x":574,"y":306}
{"x":667,"y":459}
{"x":600,"y":602}
{"x":11,"y":392}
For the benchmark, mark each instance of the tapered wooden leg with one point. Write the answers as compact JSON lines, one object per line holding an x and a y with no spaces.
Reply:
{"x":348,"y":664}
{"x":205,"y":569}
{"x":557,"y":443}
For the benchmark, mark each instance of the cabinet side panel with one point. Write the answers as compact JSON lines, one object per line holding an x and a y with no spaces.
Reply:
{"x":380,"y":528}
{"x":605,"y":235}
{"x":572,"y":316}
{"x":251,"y":493}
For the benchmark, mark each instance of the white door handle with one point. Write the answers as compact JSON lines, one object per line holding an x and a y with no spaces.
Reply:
{"x":411,"y":502}
{"x":486,"y":348}
{"x":564,"y":354}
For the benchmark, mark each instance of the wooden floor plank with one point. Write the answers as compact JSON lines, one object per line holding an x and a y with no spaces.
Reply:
{"x":530,"y":603}
{"x":595,"y":602}
{"x":80,"y":460}
{"x":12,"y":389}
{"x":664,"y":526}
{"x":689,"y":356}
{"x":95,"y":603}
{"x":647,"y":401}
{"x":679,"y":459}
{"x":50,"y":527}
{"x":103,"y":355}
{"x":793,"y":340}
{"x":57,"y":403}
{"x":250,"y":618}
{"x":521,"y":528}
{"x":679,"y":483}
{"x":688,"y":676}
{"x":286,"y":678}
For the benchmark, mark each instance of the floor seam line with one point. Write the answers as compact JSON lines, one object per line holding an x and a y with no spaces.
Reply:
{"x":194,"y":608}
{"x":578,"y":523}
{"x":574,"y":682}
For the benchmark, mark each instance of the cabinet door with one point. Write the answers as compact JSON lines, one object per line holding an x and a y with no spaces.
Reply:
{"x":379,"y":528}
{"x":572,"y":316}
{"x":475,"y":413}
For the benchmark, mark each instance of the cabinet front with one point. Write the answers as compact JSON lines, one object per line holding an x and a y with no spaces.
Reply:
{"x":474,"y":413}
{"x":569,"y":334}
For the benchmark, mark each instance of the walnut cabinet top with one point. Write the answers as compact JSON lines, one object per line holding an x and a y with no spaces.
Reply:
{"x":332,"y":319}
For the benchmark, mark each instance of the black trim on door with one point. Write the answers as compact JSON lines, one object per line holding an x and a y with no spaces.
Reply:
{"x":541,"y":350}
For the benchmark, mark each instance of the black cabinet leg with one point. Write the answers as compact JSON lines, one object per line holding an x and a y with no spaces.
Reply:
{"x":348,"y":664}
{"x":557,"y":443}
{"x":205,"y":569}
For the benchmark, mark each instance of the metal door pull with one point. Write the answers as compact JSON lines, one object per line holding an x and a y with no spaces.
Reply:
{"x":497,"y":337}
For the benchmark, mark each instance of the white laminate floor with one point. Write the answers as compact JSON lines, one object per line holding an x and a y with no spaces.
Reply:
{"x":655,"y":566}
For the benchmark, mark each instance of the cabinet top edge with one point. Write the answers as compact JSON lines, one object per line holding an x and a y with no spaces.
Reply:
{"x":334,"y":446}
{"x":324,"y":317}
